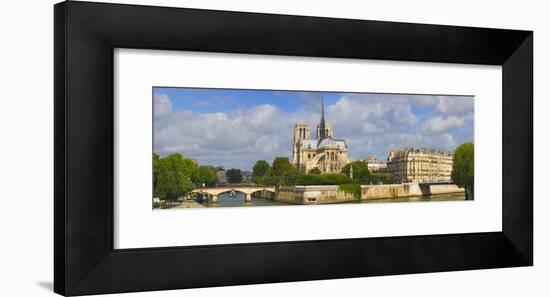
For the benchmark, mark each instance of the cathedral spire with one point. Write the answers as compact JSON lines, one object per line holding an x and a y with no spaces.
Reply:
{"x":322,"y":130}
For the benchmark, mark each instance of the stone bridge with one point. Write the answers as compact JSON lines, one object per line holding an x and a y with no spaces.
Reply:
{"x":247,"y":191}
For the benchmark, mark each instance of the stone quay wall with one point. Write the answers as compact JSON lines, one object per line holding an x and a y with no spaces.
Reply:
{"x":330,"y":193}
{"x":390,"y":191}
{"x":445,"y":189}
{"x":312,"y":195}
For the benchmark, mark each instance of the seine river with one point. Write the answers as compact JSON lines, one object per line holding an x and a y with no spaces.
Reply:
{"x":225,"y":200}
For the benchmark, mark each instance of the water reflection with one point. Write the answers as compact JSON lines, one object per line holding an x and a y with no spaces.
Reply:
{"x":226,"y":200}
{"x":439,"y":197}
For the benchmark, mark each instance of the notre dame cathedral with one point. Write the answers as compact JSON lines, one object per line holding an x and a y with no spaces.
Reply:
{"x":325,"y":153}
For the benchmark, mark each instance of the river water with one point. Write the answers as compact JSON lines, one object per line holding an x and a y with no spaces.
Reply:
{"x":439,"y":197}
{"x":225,"y":200}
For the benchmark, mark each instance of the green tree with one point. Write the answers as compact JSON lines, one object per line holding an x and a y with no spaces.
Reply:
{"x":315,"y":170}
{"x":234,"y":176}
{"x":361,"y":171}
{"x":173,"y":176}
{"x":204,"y":174}
{"x":463,"y":168}
{"x":185,"y":166}
{"x":266,"y":180}
{"x":156,"y":162}
{"x":280,"y":166}
{"x":334,"y":179}
{"x":260,"y":168}
{"x":294,"y":178}
{"x":385,"y":178}
{"x":289,"y":178}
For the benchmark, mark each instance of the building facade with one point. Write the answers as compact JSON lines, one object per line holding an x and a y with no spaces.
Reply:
{"x":220,"y":174}
{"x":420,"y":165}
{"x":375,"y":165}
{"x":325,"y":153}
{"x":247,"y":177}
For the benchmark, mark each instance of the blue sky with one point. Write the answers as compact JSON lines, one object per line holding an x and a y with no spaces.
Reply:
{"x":223,"y":100}
{"x":234,"y":128}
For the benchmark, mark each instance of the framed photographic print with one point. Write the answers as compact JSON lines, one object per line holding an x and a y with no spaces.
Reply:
{"x":284,"y":148}
{"x":273,"y":158}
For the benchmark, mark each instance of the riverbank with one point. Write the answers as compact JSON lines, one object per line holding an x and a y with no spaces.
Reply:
{"x":436,"y":197}
{"x":332,"y":194}
{"x":183,"y":204}
{"x":189,"y":204}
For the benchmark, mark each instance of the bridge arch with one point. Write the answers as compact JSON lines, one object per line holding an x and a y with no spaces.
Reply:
{"x":272,"y":192}
{"x":247,"y":197}
{"x":214,"y":192}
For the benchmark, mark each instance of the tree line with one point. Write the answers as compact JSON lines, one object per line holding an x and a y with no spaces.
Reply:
{"x":463,"y":169}
{"x":175,"y":176}
{"x":282,"y":173}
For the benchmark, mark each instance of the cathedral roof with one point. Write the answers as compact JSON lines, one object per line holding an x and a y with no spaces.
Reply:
{"x":325,"y":143}
{"x":329,"y":142}
{"x":309,"y":143}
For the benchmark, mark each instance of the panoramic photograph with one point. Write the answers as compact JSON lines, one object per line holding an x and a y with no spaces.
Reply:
{"x":240,"y":148}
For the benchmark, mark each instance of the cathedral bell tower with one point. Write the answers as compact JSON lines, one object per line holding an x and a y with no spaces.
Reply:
{"x":301,"y":131}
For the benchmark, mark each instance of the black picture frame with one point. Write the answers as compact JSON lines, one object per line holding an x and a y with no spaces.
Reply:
{"x":85,"y":261}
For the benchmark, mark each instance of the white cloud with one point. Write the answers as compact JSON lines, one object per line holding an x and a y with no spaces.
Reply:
{"x":455,"y":105}
{"x":425,"y":101}
{"x":442,"y":123}
{"x":162,"y":105}
{"x":451,"y":105}
{"x":233,"y":139}
{"x":372,"y":124}
{"x":369,"y":128}
{"x":356,"y":114}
